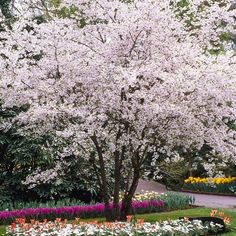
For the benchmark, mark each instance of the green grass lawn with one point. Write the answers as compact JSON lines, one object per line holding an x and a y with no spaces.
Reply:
{"x":199,"y":211}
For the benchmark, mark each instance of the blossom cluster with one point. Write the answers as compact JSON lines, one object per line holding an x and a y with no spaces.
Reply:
{"x":129,"y":228}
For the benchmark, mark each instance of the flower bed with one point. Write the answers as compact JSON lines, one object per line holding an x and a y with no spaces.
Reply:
{"x":86,"y":211}
{"x":211,"y":185}
{"x":143,"y":203}
{"x":172,"y":200}
{"x":129,"y":228}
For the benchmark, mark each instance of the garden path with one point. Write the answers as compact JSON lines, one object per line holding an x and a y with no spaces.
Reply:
{"x":207,"y":200}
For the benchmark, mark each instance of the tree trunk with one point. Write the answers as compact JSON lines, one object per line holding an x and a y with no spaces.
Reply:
{"x":116,"y":209}
{"x":126,"y":207}
{"x":104,"y":187}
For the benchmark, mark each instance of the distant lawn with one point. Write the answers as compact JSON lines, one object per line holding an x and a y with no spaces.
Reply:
{"x":199,"y":211}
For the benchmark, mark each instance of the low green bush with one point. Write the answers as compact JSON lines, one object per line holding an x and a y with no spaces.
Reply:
{"x":36,"y":204}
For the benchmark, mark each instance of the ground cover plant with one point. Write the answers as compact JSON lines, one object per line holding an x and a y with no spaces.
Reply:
{"x":215,"y":185}
{"x":120,"y":80}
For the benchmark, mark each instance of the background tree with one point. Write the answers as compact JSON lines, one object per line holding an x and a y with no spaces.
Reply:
{"x":173,"y":170}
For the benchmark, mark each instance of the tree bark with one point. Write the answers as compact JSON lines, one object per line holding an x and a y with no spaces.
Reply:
{"x":117,"y":172}
{"x":104,"y":187}
{"x":126,"y":207}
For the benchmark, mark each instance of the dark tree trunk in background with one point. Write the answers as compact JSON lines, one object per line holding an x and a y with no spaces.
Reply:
{"x":126,"y":207}
{"x":103,"y":183}
{"x":117,"y":172}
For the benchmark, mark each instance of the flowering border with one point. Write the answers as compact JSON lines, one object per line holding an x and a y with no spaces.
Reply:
{"x":129,"y":228}
{"x":70,"y":212}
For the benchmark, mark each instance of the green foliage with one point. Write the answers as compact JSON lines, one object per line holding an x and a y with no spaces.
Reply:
{"x":232,"y":125}
{"x":37,"y":204}
{"x":18,"y":156}
{"x":182,"y":10}
{"x":173,"y":173}
{"x":183,"y":3}
{"x":225,"y":36}
{"x":216,"y":51}
{"x":192,"y":164}
{"x":78,"y":181}
{"x":55,"y":3}
{"x":67,"y":12}
{"x":21,"y":155}
{"x":6,"y":11}
{"x":5,"y":8}
{"x":177,"y":201}
{"x":226,"y":188}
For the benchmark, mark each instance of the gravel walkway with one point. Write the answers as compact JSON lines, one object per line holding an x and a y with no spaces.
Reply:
{"x":212,"y":201}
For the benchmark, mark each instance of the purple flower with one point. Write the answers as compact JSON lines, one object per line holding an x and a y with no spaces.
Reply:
{"x":73,"y":211}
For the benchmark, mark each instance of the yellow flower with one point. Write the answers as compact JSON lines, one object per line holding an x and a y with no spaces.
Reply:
{"x":217,"y":180}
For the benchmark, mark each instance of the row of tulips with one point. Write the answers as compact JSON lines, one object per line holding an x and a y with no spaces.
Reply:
{"x":129,"y":228}
{"x":217,"y":180}
{"x":144,"y":202}
{"x":70,"y":212}
{"x":173,"y":201}
{"x":226,"y":185}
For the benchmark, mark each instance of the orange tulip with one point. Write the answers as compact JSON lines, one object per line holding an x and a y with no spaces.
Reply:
{"x":226,"y":220}
{"x":140,"y":221}
{"x":213,"y":212}
{"x":221,"y":213}
{"x":129,"y":217}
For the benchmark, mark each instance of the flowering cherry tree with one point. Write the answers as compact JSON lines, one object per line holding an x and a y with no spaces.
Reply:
{"x":133,"y":79}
